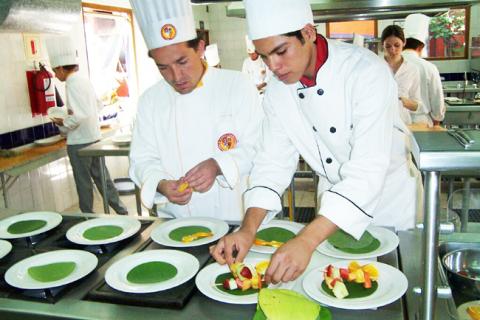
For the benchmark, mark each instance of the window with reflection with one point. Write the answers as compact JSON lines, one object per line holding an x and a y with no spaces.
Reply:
{"x":346,"y":31}
{"x":449,"y":35}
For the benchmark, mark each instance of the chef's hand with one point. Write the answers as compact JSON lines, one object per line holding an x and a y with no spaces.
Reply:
{"x":169,"y":188}
{"x":289,"y":261}
{"x":202,"y":176}
{"x":233,"y":247}
{"x":58,"y":121}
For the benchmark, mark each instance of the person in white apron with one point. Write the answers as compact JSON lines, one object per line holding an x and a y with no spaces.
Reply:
{"x":81,"y":126}
{"x":255,"y":68}
{"x":199,"y":125}
{"x":405,"y":74}
{"x":416,"y":33}
{"x":335,"y":104}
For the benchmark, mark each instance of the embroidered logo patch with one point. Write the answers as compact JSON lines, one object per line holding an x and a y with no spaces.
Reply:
{"x":168,"y":32}
{"x":227,"y":141}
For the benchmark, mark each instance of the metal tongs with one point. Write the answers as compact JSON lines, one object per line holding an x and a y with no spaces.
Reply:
{"x":462,"y":137}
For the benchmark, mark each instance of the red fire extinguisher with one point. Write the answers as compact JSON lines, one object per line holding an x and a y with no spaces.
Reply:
{"x":41,"y":90}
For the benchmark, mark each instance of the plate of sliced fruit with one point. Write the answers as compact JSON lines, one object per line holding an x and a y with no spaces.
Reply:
{"x":274,"y":234}
{"x":375,"y":241}
{"x":238,"y":283}
{"x":355,"y":285}
{"x":189,"y":232}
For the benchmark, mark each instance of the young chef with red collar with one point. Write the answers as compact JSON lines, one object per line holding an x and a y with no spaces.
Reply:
{"x":198,"y":125}
{"x":336,"y":105}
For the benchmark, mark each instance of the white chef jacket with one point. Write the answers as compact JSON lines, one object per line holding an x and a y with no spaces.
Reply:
{"x":430,"y":87}
{"x":175,"y":132}
{"x":82,"y":125}
{"x":257,"y":70}
{"x":408,"y":82}
{"x":348,"y":129}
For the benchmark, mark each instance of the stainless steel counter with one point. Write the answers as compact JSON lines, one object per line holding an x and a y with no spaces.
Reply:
{"x":437,"y":153}
{"x":106,"y":148}
{"x":74,"y":306}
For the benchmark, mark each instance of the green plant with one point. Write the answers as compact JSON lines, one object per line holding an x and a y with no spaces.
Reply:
{"x":446,"y":26}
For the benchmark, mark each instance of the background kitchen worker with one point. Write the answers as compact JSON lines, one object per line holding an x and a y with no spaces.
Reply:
{"x":336,"y":105}
{"x":81,"y":125}
{"x":255,"y":68}
{"x":197,"y":125}
{"x":416,"y":33}
{"x":405,"y":74}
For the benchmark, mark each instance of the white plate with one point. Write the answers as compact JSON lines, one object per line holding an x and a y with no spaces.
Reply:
{"x":5,"y":248}
{"x":48,"y":141}
{"x":17,"y":276}
{"x":57,"y":112}
{"x":462,"y":309}
{"x":205,"y":282}
{"x":392,"y":284}
{"x":122,"y":140}
{"x":388,"y":242}
{"x":53,"y":219}
{"x":129,"y":225}
{"x":160,"y":233}
{"x":187,"y":266}
{"x":295,"y":227}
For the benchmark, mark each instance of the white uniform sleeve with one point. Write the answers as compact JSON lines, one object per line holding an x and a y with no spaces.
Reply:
{"x":414,"y":91}
{"x":351,"y":202}
{"x":436,"y":95}
{"x":77,"y":98}
{"x":248,"y":114}
{"x":146,"y":169}
{"x":274,"y":166}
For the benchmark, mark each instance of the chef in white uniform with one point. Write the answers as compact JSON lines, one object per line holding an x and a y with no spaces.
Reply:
{"x":405,"y":74}
{"x":255,"y":68}
{"x":198,"y":125}
{"x":335,"y":104}
{"x":416,"y":34}
{"x":81,"y":126}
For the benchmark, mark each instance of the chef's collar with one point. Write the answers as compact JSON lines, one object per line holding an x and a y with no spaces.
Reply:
{"x":322,"y":56}
{"x":205,"y":68}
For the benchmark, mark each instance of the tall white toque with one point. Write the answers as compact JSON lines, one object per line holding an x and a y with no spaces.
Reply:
{"x":266,"y":18}
{"x":61,"y":51}
{"x":416,"y":26}
{"x":164,"y":22}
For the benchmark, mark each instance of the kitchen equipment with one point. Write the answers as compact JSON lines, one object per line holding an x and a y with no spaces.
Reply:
{"x":463,"y":268}
{"x":460,"y":138}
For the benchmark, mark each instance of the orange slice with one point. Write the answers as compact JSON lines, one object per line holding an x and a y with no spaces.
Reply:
{"x":183,"y":187}
{"x":474,"y":312}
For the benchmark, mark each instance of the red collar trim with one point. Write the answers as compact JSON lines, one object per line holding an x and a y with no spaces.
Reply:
{"x":322,"y":56}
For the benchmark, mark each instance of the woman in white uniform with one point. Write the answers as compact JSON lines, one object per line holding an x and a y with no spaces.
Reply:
{"x":199,"y":125}
{"x":336,"y":105}
{"x":406,"y":74}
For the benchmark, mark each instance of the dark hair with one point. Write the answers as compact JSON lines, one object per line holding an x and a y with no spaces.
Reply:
{"x":393,"y":30}
{"x":413,"y":44}
{"x":298,"y":34}
{"x":194,"y":43}
{"x":70,"y":67}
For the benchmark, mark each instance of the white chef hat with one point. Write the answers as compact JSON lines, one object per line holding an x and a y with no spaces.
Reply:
{"x":164,"y":22}
{"x":211,"y":55}
{"x":249,"y":45}
{"x":266,"y":18}
{"x":61,"y":51}
{"x":416,"y":26}
{"x":358,"y":39}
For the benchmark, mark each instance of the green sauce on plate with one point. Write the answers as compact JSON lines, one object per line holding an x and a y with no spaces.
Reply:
{"x":275,"y":233}
{"x":346,"y":243}
{"x":152,"y":272}
{"x":52,"y":272}
{"x":102,"y":232}
{"x":179,"y":233}
{"x":26,"y":226}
